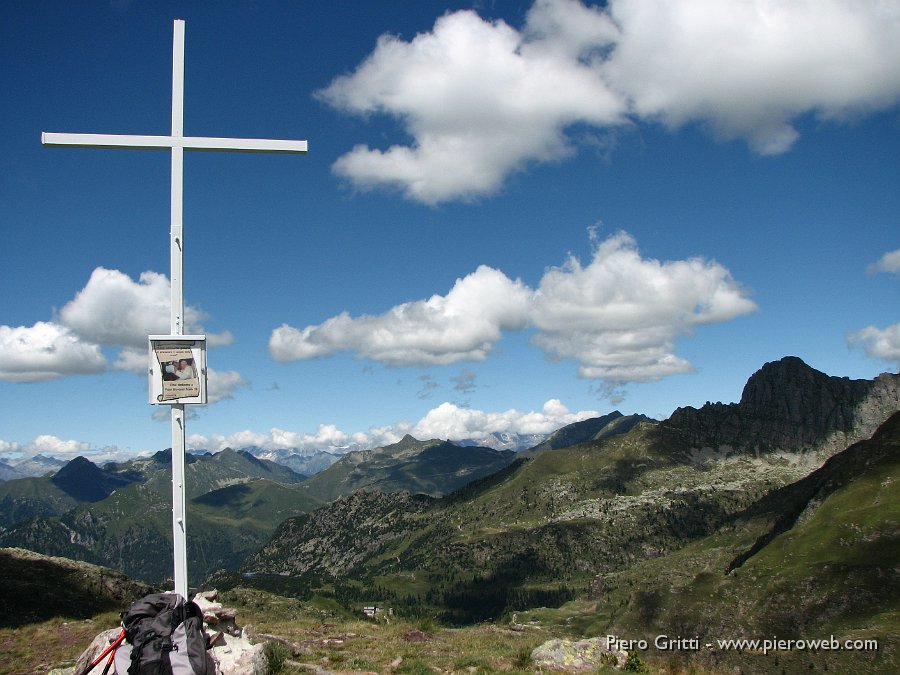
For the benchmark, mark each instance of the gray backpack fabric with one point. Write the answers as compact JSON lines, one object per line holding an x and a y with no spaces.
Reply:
{"x":165,"y":637}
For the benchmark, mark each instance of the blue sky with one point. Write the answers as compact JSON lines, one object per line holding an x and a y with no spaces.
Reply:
{"x":511,"y":215}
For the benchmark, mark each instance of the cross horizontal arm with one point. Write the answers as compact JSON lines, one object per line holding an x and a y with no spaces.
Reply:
{"x":51,"y":139}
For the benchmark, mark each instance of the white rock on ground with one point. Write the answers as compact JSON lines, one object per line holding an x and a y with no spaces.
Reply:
{"x":580,"y":656}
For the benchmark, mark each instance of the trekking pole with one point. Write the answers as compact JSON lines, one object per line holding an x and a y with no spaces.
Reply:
{"x":109,"y":662}
{"x":109,"y":651}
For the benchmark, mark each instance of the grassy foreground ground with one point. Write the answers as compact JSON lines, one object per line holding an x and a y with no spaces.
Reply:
{"x":38,"y":647}
{"x":323,"y":638}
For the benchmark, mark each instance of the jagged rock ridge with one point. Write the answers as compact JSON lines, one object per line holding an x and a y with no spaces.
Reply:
{"x":787,"y":405}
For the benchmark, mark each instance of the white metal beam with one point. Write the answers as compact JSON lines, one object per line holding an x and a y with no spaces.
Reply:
{"x":52,"y":139}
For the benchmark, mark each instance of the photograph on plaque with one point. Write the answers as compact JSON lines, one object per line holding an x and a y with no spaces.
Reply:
{"x":177,"y":369}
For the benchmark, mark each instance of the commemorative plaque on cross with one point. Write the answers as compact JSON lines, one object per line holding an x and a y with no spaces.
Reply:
{"x":177,"y":371}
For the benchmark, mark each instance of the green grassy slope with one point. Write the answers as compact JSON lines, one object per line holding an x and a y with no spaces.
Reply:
{"x":538,"y":532}
{"x":815,"y":559}
{"x":131,"y":529}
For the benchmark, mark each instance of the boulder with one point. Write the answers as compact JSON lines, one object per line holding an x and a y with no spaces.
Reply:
{"x":581,"y":656}
{"x":100,"y":644}
{"x":235,"y":655}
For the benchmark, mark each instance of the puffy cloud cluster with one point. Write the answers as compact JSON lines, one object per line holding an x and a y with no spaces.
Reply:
{"x":449,"y":421}
{"x":446,"y":421}
{"x":221,"y":385}
{"x":327,"y":436}
{"x":618,"y":316}
{"x":53,"y":446}
{"x":46,"y":351}
{"x":459,"y":326}
{"x":481,"y":99}
{"x":112,"y":310}
{"x":749,"y":68}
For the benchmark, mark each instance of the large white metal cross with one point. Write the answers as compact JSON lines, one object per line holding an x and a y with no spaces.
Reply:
{"x":177,"y":142}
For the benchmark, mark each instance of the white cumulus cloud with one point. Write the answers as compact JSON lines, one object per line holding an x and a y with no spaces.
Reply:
{"x":221,"y":385}
{"x":481,"y":99}
{"x":47,"y":444}
{"x":459,"y":326}
{"x":879,"y":343}
{"x":451,"y":422}
{"x":46,"y":351}
{"x":112,"y":310}
{"x":447,"y":422}
{"x":749,"y":67}
{"x":618,"y":316}
{"x":889,"y":262}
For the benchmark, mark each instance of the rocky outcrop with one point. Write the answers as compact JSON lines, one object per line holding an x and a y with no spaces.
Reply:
{"x":787,"y":405}
{"x":37,"y":587}
{"x":233,"y":650}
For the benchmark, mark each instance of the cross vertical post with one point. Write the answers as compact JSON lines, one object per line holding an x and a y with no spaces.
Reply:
{"x":176,"y":312}
{"x":176,"y":143}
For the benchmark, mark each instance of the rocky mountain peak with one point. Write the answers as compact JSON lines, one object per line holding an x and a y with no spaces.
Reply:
{"x":790,"y":389}
{"x":788,"y":405}
{"x":78,"y":466}
{"x":82,"y":479}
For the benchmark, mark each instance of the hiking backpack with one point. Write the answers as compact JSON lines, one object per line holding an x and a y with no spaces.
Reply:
{"x":166,"y":637}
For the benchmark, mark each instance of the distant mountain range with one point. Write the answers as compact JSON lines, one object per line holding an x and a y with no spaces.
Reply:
{"x":37,"y":465}
{"x":428,"y":467}
{"x":306,"y":463}
{"x":506,"y":440}
{"x":119,"y":514}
